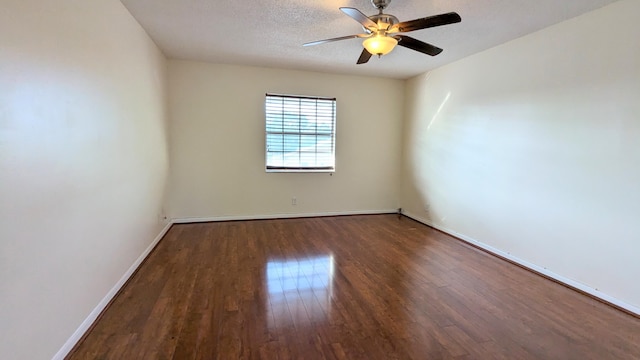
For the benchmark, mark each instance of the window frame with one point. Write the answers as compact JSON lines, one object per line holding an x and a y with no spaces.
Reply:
{"x":300,"y":133}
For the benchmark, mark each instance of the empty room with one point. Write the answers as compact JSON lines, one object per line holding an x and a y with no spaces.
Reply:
{"x":344,"y":179}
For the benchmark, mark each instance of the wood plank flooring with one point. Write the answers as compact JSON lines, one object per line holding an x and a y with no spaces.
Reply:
{"x":350,"y":287}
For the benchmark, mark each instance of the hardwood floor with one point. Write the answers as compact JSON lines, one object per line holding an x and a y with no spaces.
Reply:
{"x":351,"y":287}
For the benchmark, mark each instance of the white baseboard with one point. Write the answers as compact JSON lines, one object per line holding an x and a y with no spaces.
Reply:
{"x":541,"y":270}
{"x":86,"y":324}
{"x":280,"y":216}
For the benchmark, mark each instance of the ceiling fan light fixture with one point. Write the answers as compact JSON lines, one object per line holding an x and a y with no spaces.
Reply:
{"x":379,"y":44}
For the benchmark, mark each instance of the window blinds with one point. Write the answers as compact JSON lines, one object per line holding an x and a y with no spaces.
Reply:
{"x":300,"y":133}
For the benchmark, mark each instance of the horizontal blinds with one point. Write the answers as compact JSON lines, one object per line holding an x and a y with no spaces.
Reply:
{"x":300,"y":132}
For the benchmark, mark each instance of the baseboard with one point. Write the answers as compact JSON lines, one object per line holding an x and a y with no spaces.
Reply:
{"x":280,"y":216}
{"x":633,"y":310}
{"x":86,"y":324}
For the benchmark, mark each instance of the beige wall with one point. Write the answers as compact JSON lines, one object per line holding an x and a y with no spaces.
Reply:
{"x":217,"y":143}
{"x":83,"y":163}
{"x":533,"y":148}
{"x":530,"y":148}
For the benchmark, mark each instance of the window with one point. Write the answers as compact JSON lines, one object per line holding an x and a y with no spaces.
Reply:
{"x":300,"y":133}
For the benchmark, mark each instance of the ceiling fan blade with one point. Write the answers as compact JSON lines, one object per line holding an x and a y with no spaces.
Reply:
{"x":427,"y":22}
{"x":336,"y":39}
{"x":417,"y":45}
{"x":364,"y":57}
{"x":358,"y":16}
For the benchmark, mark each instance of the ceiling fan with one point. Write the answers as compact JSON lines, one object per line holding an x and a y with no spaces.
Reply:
{"x":382,"y":31}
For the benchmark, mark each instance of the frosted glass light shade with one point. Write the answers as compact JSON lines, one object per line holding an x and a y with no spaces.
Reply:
{"x":379,"y":45}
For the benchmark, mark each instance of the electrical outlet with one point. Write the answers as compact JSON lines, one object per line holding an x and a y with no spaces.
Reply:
{"x":294,"y":201}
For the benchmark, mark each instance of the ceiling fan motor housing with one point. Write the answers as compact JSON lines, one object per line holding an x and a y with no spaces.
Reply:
{"x":382,"y":19}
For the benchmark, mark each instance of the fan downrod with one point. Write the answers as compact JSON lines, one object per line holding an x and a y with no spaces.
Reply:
{"x":380,"y":4}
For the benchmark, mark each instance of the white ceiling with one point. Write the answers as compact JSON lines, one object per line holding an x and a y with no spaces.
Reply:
{"x":270,"y":33}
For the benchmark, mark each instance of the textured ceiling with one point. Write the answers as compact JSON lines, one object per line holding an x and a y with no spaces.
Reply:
{"x":271,"y":32}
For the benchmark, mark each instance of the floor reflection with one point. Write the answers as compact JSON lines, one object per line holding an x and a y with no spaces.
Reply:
{"x":299,"y":291}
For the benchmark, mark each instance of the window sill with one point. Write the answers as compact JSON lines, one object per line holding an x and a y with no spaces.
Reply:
{"x":331,"y":171}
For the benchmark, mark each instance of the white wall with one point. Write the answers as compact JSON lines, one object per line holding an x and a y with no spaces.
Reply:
{"x":217,"y":143}
{"x":83,"y":163}
{"x":533,"y":148}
